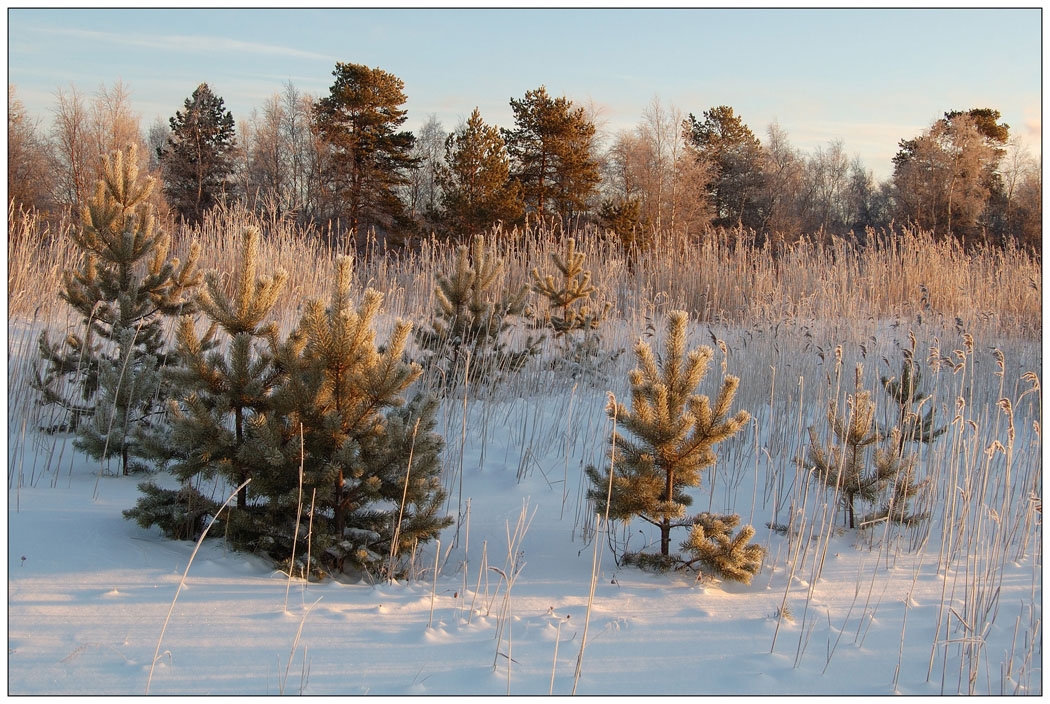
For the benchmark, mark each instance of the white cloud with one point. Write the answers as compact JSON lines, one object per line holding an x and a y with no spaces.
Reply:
{"x":195,"y":43}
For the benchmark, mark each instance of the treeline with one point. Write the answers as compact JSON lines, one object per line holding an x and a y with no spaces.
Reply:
{"x":343,"y":162}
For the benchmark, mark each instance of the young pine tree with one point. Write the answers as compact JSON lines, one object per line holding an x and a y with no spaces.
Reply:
{"x":223,"y":382}
{"x":844,"y":466}
{"x":568,"y":295}
{"x":343,"y":404}
{"x":124,"y":290}
{"x":907,"y":393}
{"x":470,"y":320}
{"x":675,"y":431}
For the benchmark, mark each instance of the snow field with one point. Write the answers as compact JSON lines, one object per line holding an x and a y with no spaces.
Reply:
{"x":951,"y":607}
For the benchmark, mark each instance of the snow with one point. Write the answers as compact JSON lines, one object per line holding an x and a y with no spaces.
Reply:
{"x":89,"y":592}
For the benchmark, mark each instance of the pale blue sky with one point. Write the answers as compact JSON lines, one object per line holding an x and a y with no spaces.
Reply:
{"x":868,"y":77}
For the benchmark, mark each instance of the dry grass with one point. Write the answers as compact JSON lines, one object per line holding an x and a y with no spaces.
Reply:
{"x":725,"y":277}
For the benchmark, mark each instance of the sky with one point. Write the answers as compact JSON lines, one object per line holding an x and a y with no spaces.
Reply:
{"x":868,"y":77}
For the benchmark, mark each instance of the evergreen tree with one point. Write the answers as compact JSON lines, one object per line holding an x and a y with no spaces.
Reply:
{"x":623,"y":218}
{"x":197,"y":161}
{"x":675,"y":432}
{"x":470,"y":318}
{"x":735,"y":153}
{"x":567,"y":297}
{"x":343,"y":404}
{"x":550,"y":148}
{"x":906,"y":392}
{"x":844,"y":468}
{"x":322,"y":416}
{"x":124,"y":289}
{"x":222,"y":390}
{"x":476,"y":189}
{"x":359,"y":121}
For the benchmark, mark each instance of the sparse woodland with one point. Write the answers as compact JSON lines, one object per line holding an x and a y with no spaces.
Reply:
{"x":329,"y":331}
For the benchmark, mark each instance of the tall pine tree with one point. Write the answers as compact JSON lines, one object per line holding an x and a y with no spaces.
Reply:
{"x":722,"y":140}
{"x":197,"y":161}
{"x":551,"y":152}
{"x":360,"y":121}
{"x":476,"y":189}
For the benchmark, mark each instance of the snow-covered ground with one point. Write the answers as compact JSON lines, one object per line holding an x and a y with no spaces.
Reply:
{"x":849,"y":612}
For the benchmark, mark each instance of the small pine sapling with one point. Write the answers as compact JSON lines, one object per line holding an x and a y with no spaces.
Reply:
{"x":471,"y":319}
{"x":569,"y":308}
{"x":675,"y":431}
{"x":900,"y":469}
{"x":844,"y":466}
{"x":124,"y":290}
{"x":220,"y":390}
{"x":913,"y":425}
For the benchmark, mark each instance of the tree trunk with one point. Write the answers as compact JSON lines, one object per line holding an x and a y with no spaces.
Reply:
{"x":665,"y":524}
{"x":339,"y":517}
{"x":665,"y":537}
{"x":238,"y":422}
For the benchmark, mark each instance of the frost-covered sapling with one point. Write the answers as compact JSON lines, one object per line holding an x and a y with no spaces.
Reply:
{"x":570,"y":309}
{"x":568,"y":295}
{"x":673,"y":432}
{"x":124,"y":289}
{"x":844,"y":466}
{"x":471,"y":319}
{"x":914,"y":425}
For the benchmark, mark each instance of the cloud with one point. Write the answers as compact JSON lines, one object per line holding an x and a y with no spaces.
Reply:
{"x":196,"y":43}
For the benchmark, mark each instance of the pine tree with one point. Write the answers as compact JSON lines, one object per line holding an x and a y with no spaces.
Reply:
{"x":624,"y":219}
{"x":675,"y":430}
{"x":550,"y":148}
{"x":197,"y":161}
{"x":470,"y":319}
{"x":476,"y":189}
{"x":343,"y":403}
{"x":320,"y":415}
{"x":125,"y":288}
{"x":731,"y":148}
{"x":907,"y":393}
{"x":569,"y":311}
{"x":845,"y":469}
{"x":359,"y":121}
{"x":221,"y":390}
